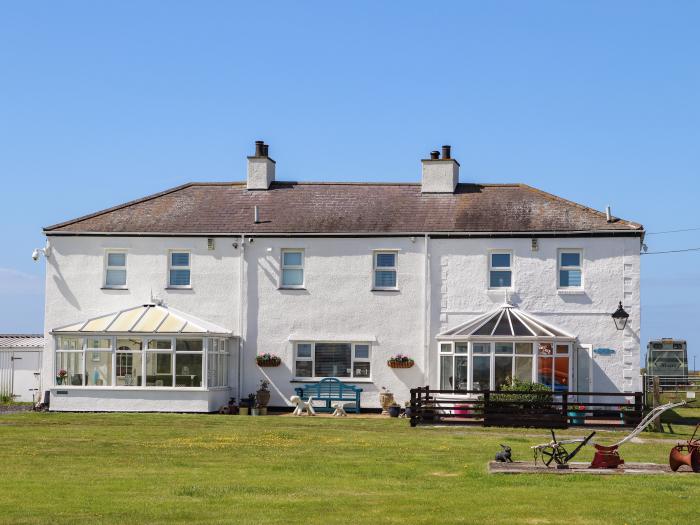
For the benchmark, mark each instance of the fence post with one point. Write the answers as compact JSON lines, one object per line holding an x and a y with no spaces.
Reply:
{"x":414,"y":408}
{"x":657,"y":401}
{"x":565,"y":406}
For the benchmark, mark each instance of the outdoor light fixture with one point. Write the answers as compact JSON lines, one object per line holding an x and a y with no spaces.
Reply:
{"x":620,"y":317}
{"x":45,"y":251}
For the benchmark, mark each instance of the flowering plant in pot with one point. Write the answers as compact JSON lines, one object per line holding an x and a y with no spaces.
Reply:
{"x":400,"y":361}
{"x":577,"y":413}
{"x":386,"y":398}
{"x":268,"y":359}
{"x":61,"y":376}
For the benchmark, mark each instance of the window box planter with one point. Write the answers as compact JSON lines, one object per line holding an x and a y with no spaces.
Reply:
{"x":400,"y":361}
{"x":268,"y":360}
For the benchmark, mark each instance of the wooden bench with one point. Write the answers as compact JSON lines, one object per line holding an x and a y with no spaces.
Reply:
{"x":331,"y":389}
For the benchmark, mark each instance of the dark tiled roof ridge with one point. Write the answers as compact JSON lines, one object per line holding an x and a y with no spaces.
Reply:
{"x":16,"y":336}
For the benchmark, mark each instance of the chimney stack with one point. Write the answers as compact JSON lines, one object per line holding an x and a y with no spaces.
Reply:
{"x":440,"y":175}
{"x":261,"y":168}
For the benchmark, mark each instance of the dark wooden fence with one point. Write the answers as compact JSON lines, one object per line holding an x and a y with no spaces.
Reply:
{"x":525,"y":409}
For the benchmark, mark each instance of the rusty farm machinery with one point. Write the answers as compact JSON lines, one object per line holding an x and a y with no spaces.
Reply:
{"x":686,"y":453}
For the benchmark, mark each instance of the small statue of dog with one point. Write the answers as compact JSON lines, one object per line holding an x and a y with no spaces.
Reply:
{"x":504,"y":455}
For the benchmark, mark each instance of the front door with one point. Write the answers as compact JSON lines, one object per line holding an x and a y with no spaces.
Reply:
{"x":584,"y":372}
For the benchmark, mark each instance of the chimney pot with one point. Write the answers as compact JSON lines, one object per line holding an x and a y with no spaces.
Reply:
{"x":259,"y":144}
{"x":446,"y":152}
{"x":434,"y":155}
{"x":265,"y":149}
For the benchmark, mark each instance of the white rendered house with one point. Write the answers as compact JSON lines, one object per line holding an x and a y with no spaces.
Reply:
{"x":163,"y":303}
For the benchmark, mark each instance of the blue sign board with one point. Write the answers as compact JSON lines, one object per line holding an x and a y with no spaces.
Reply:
{"x":603,"y":351}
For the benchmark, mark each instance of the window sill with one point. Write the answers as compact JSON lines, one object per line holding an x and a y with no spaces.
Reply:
{"x":178,"y":288}
{"x":575,"y":291}
{"x":291,"y":287}
{"x":121,"y":288}
{"x":386,"y":290}
{"x":341,"y":379}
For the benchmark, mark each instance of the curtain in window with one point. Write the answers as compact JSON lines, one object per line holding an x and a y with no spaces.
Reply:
{"x":333,"y":360}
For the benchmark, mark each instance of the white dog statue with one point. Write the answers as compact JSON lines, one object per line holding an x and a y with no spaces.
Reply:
{"x":300,"y":406}
{"x":339,"y":409}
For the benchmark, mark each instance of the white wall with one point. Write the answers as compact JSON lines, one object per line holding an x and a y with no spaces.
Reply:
{"x":338,"y":302}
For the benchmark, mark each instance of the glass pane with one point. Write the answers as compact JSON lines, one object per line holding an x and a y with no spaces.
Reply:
{"x":523,"y":348}
{"x":100,"y":342}
{"x":487,"y":327}
{"x":291,"y":258}
{"x":544,"y":370}
{"x":69,"y":343}
{"x":445,"y":348}
{"x":386,"y":260}
{"x":129,"y":368}
{"x":481,"y":348}
{"x":503,"y":327}
{"x":179,"y":277}
{"x":179,"y":259}
{"x":116,"y":259}
{"x":292,"y":277}
{"x":562,"y":349}
{"x":503,"y":370}
{"x":523,"y":368}
{"x":333,"y":360}
{"x":518,"y":327}
{"x":188,"y":370}
{"x":504,"y":348}
{"x":500,"y":279}
{"x":461,"y":348}
{"x":461,"y":372}
{"x":361,"y":369}
{"x":159,"y":369}
{"x":115,"y":278}
{"x":99,"y":368}
{"x":385,"y":279}
{"x":561,"y":374}
{"x":159,"y":344}
{"x":213,"y":369}
{"x":304,"y":369}
{"x":571,"y":259}
{"x":500,"y":260}
{"x":446,"y":375}
{"x":482,"y":372}
{"x":303,"y":350}
{"x":72,"y":364}
{"x":569,"y":278}
{"x":188,"y":345}
{"x":361,"y":351}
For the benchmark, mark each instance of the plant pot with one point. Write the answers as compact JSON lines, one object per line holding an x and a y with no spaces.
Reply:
{"x":276,"y":361}
{"x":262,"y":397}
{"x":408,"y":411}
{"x":576,"y":418}
{"x":254,"y":411}
{"x":59,"y":380}
{"x":385,"y":400}
{"x":394,"y":411}
{"x":243,"y":411}
{"x":400,"y":364}
{"x":263,"y":411}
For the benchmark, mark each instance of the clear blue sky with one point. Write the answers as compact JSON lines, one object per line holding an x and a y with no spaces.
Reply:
{"x":598,"y":102}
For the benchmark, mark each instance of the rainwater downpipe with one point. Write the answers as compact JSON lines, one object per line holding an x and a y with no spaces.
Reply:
{"x":241,"y":261}
{"x":426,"y":311}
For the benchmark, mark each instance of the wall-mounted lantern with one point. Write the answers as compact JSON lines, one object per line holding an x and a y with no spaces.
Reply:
{"x":620,"y":317}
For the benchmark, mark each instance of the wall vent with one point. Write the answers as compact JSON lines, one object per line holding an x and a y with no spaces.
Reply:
{"x":210,"y":244}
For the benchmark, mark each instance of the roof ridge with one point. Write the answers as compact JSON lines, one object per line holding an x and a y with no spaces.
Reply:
{"x":551,"y":196}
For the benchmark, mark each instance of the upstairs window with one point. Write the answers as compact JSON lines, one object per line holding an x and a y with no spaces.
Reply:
{"x":500,"y":270}
{"x":179,"y":270}
{"x":570,"y":274}
{"x":292,"y":269}
{"x":115,"y":269}
{"x":385,"y":267}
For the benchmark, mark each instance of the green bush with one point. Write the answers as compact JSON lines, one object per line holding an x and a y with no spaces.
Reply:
{"x":523,"y":392}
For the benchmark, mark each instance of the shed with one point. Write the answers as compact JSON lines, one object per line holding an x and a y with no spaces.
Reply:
{"x":20,"y":365}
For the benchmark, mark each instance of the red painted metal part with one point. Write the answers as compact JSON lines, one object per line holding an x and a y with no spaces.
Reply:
{"x":687,"y":453}
{"x":606,"y":457}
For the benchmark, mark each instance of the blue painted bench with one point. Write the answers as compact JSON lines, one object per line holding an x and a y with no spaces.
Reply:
{"x":331,"y":389}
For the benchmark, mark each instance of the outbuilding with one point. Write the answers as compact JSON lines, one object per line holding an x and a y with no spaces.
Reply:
{"x":20,"y":366}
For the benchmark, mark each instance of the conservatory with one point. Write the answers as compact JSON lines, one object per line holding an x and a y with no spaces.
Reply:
{"x":149,"y":357}
{"x":501,"y":346}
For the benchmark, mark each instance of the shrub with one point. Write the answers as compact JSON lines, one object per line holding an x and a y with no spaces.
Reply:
{"x":523,"y":392}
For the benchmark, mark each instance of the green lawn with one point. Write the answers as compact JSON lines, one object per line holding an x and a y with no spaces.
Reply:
{"x":147,"y":468}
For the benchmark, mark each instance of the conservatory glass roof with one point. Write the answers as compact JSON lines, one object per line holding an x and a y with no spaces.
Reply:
{"x":505,"y":321}
{"x":145,"y":319}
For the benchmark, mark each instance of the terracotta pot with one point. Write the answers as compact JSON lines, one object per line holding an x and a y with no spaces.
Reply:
{"x":243,"y":411}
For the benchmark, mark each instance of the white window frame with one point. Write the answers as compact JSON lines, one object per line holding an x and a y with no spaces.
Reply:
{"x":376,"y":268}
{"x":107,"y":268}
{"x":560,"y":267}
{"x":353,"y":360}
{"x":171,"y":267}
{"x":284,"y":267}
{"x":492,"y":268}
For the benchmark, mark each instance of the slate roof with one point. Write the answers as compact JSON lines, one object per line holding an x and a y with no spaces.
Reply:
{"x":346,"y":208}
{"x":21,"y":341}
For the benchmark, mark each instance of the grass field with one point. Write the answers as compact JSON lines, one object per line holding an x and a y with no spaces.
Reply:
{"x":172,"y":468}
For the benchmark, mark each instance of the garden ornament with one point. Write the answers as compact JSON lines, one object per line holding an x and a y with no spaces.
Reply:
{"x":339,"y":409}
{"x":504,"y":455}
{"x":686,"y":453}
{"x":301,"y":406}
{"x":555,"y":451}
